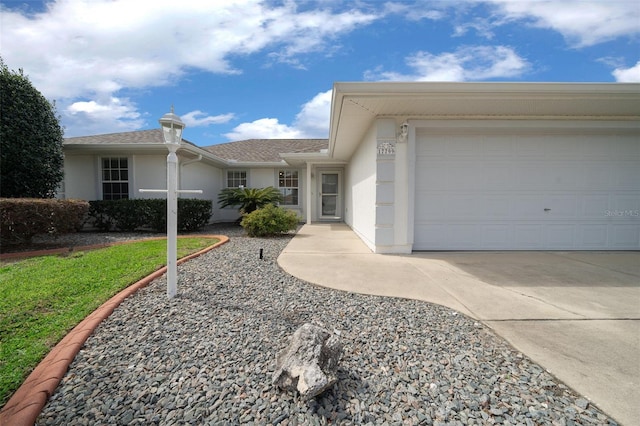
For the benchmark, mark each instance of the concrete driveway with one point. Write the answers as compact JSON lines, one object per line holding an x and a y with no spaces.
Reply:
{"x":577,"y":314}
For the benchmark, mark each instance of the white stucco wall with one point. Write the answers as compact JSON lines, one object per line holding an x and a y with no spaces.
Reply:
{"x":80,"y":177}
{"x":360,"y":188}
{"x":259,"y":178}
{"x":148,"y":172}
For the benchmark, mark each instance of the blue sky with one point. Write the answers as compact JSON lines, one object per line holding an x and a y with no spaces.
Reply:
{"x":240,"y":69}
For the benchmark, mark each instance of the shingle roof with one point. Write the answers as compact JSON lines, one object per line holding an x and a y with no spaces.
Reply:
{"x":265,"y":150}
{"x":251,"y":150}
{"x":140,"y":137}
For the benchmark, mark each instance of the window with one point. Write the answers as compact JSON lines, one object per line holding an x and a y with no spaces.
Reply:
{"x":236,"y":178}
{"x":115,"y":178}
{"x":288,"y":185}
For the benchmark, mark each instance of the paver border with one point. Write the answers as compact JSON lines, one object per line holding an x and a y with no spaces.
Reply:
{"x":25,"y":405}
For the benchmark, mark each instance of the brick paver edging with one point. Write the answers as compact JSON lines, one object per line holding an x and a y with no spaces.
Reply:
{"x":27,"y":402}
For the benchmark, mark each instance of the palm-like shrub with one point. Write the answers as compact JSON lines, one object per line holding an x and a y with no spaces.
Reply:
{"x":249,"y":199}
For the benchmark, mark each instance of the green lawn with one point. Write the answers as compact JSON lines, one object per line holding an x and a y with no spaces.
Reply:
{"x":45,"y":297}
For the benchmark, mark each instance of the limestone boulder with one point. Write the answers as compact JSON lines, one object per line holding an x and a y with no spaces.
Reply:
{"x":309,"y":363}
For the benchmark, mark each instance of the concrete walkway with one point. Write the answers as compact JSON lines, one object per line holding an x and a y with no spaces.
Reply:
{"x":577,"y":314}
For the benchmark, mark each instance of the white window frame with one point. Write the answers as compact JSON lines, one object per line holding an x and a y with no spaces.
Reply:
{"x":227,"y":178}
{"x":104,"y":181}
{"x":282,"y":184}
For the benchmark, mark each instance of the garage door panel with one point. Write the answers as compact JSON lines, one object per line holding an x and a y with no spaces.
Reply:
{"x":598,"y":176}
{"x":590,"y":186}
{"x":594,"y":206}
{"x":496,"y":237}
{"x":529,"y":237}
{"x":562,"y":206}
{"x":627,"y":177}
{"x":624,"y":149}
{"x":498,"y":176}
{"x":625,"y":235}
{"x":625,"y":205}
{"x":492,"y":148}
{"x":592,"y":236}
{"x":559,"y":237}
{"x":431,"y":205}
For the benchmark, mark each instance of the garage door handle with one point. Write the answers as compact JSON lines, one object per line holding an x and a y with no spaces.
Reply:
{"x":547,"y":210}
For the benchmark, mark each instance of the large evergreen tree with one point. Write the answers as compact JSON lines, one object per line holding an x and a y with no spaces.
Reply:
{"x":31,"y":139}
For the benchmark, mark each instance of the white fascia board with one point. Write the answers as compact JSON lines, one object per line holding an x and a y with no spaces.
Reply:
{"x":422,"y":88}
{"x":255,"y":164}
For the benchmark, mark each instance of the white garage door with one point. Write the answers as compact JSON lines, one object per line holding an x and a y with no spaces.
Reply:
{"x":534,"y":192}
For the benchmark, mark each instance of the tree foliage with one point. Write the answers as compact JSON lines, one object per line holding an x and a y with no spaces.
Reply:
{"x":31,"y":161}
{"x":249,"y":199}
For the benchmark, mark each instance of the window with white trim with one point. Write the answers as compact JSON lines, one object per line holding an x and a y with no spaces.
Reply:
{"x":115,"y":178}
{"x":236,"y":178}
{"x":288,"y":186}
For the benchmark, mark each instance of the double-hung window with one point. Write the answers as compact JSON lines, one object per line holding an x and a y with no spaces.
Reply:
{"x":115,"y":178}
{"x":288,"y":186}
{"x":236,"y":178}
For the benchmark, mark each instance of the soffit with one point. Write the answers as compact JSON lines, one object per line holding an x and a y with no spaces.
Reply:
{"x":356,"y":106}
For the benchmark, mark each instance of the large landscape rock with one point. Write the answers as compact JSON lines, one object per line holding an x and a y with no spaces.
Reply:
{"x":309,"y":363}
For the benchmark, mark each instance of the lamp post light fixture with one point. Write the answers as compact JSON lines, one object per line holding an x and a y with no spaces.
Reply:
{"x":172,"y":128}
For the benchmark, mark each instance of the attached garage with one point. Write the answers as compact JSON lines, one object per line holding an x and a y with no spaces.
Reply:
{"x":489,"y":166}
{"x":512,"y":185}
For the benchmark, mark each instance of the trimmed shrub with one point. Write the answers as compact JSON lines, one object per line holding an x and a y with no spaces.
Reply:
{"x":134,"y":214}
{"x":99,"y":215}
{"x":193,"y":214}
{"x":269,"y":220}
{"x":23,"y":218}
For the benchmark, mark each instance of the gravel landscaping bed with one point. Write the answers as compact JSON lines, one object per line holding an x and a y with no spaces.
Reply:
{"x":206,"y":357}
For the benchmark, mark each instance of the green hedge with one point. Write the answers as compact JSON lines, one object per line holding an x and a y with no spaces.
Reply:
{"x":134,"y":214}
{"x":23,"y":218}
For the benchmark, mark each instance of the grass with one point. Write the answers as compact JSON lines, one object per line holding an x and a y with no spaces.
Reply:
{"x":43,"y":298}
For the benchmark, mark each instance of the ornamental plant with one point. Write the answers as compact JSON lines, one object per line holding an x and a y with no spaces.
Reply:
{"x":269,"y":220}
{"x":249,"y":199}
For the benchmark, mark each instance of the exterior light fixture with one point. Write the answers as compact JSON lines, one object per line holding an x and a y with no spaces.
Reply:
{"x":404,"y":132}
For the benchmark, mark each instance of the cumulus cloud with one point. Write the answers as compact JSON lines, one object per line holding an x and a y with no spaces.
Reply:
{"x":109,"y":115}
{"x":264,"y":128}
{"x":466,"y":63}
{"x":311,"y":122}
{"x":88,"y":50}
{"x":581,"y":22}
{"x":198,"y":118}
{"x":628,"y":75}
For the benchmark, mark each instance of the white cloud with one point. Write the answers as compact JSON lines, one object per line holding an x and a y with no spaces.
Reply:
{"x":628,"y":75}
{"x":198,"y":118}
{"x":313,"y":119}
{"x":466,"y":63}
{"x":107,"y":116}
{"x":264,"y":128}
{"x":311,"y":122}
{"x":581,"y":22}
{"x":88,"y":50}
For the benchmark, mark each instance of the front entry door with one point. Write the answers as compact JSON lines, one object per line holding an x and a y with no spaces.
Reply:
{"x":330,"y":207}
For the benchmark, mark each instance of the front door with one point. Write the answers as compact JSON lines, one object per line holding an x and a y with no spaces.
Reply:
{"x":330,"y":206}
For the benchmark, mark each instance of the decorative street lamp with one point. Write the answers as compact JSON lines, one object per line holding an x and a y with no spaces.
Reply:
{"x":172,"y":128}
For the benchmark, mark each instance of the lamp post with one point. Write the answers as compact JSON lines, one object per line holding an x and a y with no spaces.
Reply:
{"x":172,"y":128}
